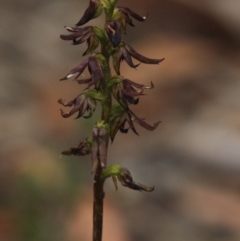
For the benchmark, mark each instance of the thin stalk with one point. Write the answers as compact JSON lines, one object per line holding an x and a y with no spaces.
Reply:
{"x":98,"y":191}
{"x":98,"y":205}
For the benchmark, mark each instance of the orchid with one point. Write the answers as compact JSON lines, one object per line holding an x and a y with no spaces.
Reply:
{"x":114,"y":93}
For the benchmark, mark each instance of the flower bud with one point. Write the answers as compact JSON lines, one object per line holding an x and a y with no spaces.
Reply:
{"x":99,"y":145}
{"x":113,"y":30}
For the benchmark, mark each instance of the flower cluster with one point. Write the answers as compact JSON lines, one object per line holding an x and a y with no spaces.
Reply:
{"x":102,"y":86}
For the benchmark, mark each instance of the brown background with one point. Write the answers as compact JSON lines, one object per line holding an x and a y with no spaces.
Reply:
{"x":192,"y":159}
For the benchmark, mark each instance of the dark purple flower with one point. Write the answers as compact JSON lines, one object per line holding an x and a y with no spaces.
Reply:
{"x":121,"y":116}
{"x":144,"y":124}
{"x":118,"y":122}
{"x":113,"y":30}
{"x":125,"y":92}
{"x":140,"y":57}
{"x":126,"y":180}
{"x":81,"y":35}
{"x":81,"y":104}
{"x":124,"y":15}
{"x":84,"y":148}
{"x":94,"y":10}
{"x":126,"y":52}
{"x":95,"y":71}
{"x":130,"y":13}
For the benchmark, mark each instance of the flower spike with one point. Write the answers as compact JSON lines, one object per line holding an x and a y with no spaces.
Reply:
{"x":114,"y":92}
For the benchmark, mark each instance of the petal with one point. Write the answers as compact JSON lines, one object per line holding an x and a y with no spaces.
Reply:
{"x":83,"y":81}
{"x":132,"y":100}
{"x":78,"y":104}
{"x":123,"y":129}
{"x":113,"y":30}
{"x":115,"y":125}
{"x":94,"y":67}
{"x":77,"y":32}
{"x":78,"y":70}
{"x":81,"y":110}
{"x":126,"y":180}
{"x":87,"y":16}
{"x":64,"y":103}
{"x":87,"y":81}
{"x":117,"y":58}
{"x":140,"y":187}
{"x":132,"y":93}
{"x":84,"y":38}
{"x":130,"y":122}
{"x":128,"y":19}
{"x":132,"y":14}
{"x":93,"y":11}
{"x":140,"y":57}
{"x":128,"y":59}
{"x":77,"y":29}
{"x":93,"y":43}
{"x":145,"y":125}
{"x":115,"y":182}
{"x":95,"y":70}
{"x":130,"y":82}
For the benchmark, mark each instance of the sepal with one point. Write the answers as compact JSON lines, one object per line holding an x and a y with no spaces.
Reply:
{"x":92,"y":43}
{"x":94,"y":68}
{"x":124,"y":15}
{"x":81,"y":104}
{"x":113,"y":30}
{"x":126,"y":52}
{"x":125,"y":91}
{"x":94,"y":10}
{"x":100,"y":34}
{"x":120,"y":116}
{"x":94,"y":94}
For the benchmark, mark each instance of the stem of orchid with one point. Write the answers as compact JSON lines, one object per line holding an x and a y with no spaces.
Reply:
{"x":98,"y":205}
{"x":98,"y":191}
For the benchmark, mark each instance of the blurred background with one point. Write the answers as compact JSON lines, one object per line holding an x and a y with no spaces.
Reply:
{"x":192,"y":159}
